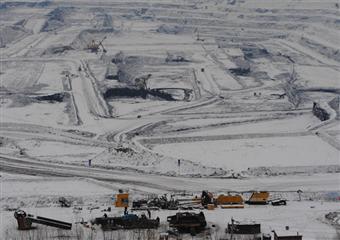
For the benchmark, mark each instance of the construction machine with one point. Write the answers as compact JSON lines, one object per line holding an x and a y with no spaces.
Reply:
{"x":25,"y":221}
{"x":127,"y":221}
{"x":230,"y":201}
{"x":188,"y":222}
{"x":207,"y":198}
{"x":94,"y":46}
{"x":142,"y":81}
{"x":258,"y":198}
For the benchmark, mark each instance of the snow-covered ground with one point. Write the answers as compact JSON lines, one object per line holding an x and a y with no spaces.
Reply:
{"x":226,"y":86}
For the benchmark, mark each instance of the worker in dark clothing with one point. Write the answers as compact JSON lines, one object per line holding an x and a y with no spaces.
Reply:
{"x":149,"y":213}
{"x":125,"y":211}
{"x":105,"y":215}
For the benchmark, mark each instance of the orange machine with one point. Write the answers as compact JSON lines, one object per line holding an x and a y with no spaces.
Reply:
{"x":122,"y":200}
{"x":229,"y":199}
{"x":259,"y":198}
{"x":210,"y":206}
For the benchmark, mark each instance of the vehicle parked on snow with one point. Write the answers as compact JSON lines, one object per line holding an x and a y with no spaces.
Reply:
{"x":188,"y":222}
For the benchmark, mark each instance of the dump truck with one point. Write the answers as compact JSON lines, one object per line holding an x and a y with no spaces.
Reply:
{"x":259,"y":198}
{"x":188,"y":222}
{"x":128,"y":221}
{"x":25,"y":221}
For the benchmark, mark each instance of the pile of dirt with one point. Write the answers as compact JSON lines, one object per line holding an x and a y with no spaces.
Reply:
{"x":11,"y":33}
{"x":335,"y":104}
{"x":56,"y":18}
{"x":255,"y":52}
{"x":85,"y":37}
{"x":334,"y":219}
{"x":131,"y":67}
{"x":322,"y":49}
{"x":170,"y":29}
{"x":111,"y":72}
{"x":176,"y":57}
{"x":320,"y":112}
{"x":7,"y":5}
{"x":57,"y":50}
{"x":105,"y":19}
{"x":294,"y":170}
{"x":243,"y":66}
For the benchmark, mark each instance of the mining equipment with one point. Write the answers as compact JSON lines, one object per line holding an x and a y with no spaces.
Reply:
{"x":278,"y":202}
{"x":163,"y":202}
{"x":142,"y":81}
{"x":258,"y":198}
{"x":198,"y":38}
{"x":237,"y":230}
{"x":286,"y":235}
{"x":188,"y":222}
{"x":64,"y":202}
{"x":207,"y":198}
{"x":127,"y":221}
{"x":121,"y":200}
{"x":230,"y":201}
{"x":94,"y":46}
{"x":25,"y":221}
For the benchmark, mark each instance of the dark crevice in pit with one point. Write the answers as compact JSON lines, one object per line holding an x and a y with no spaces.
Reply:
{"x":57,"y":97}
{"x":135,"y":93}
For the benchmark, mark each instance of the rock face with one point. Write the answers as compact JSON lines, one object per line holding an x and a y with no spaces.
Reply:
{"x":10,"y":33}
{"x":319,"y":112}
{"x":335,"y":104}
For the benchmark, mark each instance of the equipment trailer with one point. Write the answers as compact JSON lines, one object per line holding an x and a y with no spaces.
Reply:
{"x":129,"y":221}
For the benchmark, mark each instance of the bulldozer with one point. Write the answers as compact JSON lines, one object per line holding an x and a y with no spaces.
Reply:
{"x":94,"y":46}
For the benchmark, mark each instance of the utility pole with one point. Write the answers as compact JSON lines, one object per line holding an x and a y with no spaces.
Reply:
{"x":179,"y":166}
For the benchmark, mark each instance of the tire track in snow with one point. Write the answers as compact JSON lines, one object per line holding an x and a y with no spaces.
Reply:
{"x":169,"y":140}
{"x":98,"y":105}
{"x":31,"y":167}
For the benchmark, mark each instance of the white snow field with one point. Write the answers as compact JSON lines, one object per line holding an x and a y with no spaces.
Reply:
{"x":225,"y":86}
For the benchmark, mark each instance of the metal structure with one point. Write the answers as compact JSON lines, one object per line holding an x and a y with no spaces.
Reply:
{"x":188,"y":222}
{"x":94,"y":46}
{"x":128,"y":221}
{"x":278,"y":202}
{"x":163,"y":202}
{"x":25,"y":221}
{"x":258,"y":198}
{"x":64,"y":202}
{"x":237,"y":231}
{"x":287,"y":235}
{"x":207,"y":198}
